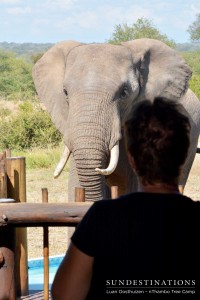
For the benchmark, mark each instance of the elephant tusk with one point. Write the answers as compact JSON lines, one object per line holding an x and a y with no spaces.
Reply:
{"x":114,"y":156}
{"x":63,"y":160}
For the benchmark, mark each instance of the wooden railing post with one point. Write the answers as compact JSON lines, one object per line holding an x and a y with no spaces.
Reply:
{"x":79,"y":194}
{"x":7,"y":242}
{"x":46,"y":250}
{"x":8,"y":153}
{"x":16,"y":189}
{"x":7,"y":259}
{"x":114,"y":192}
{"x":3,"y":177}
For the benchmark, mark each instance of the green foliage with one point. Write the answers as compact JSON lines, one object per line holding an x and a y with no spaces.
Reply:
{"x":25,"y":50}
{"x":15,"y":77}
{"x":4,"y":112}
{"x":193,"y":60}
{"x":194,"y":85}
{"x":31,"y":127}
{"x":35,"y":57}
{"x":37,"y":158}
{"x":194,"y":29}
{"x":143,"y":28}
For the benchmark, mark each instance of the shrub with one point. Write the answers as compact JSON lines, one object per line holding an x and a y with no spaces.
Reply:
{"x":31,"y":127}
{"x":4,"y":112}
{"x":193,"y":60}
{"x":15,"y":77}
{"x":194,"y":85}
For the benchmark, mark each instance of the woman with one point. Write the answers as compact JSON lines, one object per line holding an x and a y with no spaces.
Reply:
{"x":128,"y":246}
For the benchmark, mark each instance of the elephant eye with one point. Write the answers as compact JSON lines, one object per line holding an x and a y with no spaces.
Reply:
{"x":66,"y":95}
{"x":124,"y":92}
{"x":65,"y":91}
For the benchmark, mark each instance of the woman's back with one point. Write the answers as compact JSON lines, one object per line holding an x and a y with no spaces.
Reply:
{"x":141,"y":236}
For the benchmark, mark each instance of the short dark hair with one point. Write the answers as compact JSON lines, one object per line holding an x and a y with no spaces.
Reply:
{"x":158,"y":138}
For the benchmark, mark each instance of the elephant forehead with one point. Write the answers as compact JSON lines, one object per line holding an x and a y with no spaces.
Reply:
{"x":100,"y":65}
{"x":99,"y":56}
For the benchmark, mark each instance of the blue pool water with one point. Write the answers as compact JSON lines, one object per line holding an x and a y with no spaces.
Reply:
{"x":36,"y":271}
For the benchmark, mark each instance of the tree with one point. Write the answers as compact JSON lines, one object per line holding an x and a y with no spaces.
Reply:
{"x":15,"y":77}
{"x":143,"y":28}
{"x":30,"y":127}
{"x":35,"y":57}
{"x":194,"y":29}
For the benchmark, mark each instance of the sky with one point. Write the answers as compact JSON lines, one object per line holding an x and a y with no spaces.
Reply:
{"x":51,"y":21}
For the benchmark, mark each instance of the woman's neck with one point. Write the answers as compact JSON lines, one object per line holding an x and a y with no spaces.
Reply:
{"x":159,"y":188}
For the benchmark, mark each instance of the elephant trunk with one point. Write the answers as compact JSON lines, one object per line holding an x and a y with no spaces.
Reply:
{"x":86,"y":161}
{"x":93,"y":133}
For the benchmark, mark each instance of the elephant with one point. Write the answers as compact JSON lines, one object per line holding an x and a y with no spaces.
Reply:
{"x":89,"y":91}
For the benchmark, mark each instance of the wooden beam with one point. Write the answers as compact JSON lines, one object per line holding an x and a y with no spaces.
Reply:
{"x":46,"y":249}
{"x":42,"y":214}
{"x":114,"y":192}
{"x":7,"y":263}
{"x":16,"y":189}
{"x":3,"y":177}
{"x":79,"y":194}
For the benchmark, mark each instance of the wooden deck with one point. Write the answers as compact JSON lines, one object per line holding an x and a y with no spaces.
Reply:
{"x":34,"y":296}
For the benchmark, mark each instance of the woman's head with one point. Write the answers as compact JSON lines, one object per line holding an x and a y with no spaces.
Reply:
{"x":157,"y":137}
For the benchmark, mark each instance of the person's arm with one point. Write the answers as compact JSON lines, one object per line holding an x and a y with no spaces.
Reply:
{"x":72,"y":280}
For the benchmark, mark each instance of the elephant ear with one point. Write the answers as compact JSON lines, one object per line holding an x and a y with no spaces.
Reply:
{"x":163,"y":72}
{"x":48,"y":76}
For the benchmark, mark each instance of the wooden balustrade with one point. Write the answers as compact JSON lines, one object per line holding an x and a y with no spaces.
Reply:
{"x":16,"y":215}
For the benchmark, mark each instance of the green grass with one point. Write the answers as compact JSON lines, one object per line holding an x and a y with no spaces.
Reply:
{"x":40,"y":158}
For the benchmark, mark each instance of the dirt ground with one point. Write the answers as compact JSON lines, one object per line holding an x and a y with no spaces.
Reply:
{"x":57,"y":191}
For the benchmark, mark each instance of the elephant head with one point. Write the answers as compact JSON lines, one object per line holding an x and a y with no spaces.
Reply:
{"x":89,"y":90}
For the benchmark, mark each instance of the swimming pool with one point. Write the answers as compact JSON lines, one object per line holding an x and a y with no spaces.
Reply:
{"x":36,"y":271}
